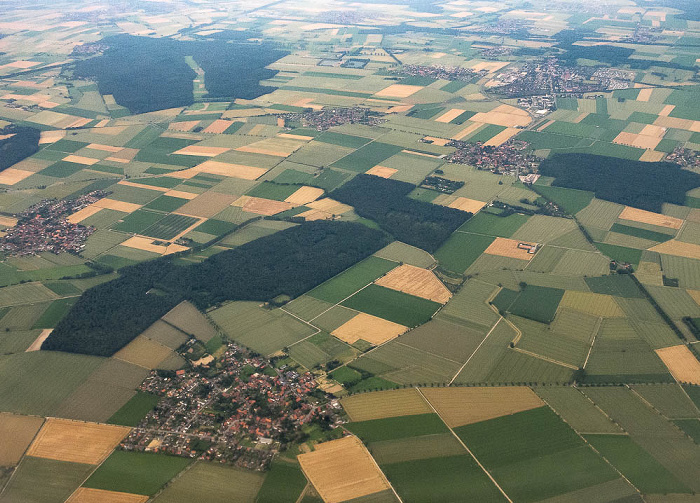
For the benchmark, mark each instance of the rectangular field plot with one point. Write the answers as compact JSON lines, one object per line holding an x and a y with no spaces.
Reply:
{"x":76,"y":441}
{"x":284,"y":483}
{"x":494,"y":225}
{"x":220,"y":484}
{"x":616,"y":285}
{"x":684,"y":366}
{"x":17,"y":433}
{"x":591,"y":303}
{"x":535,"y":455}
{"x":190,"y":320}
{"x":384,"y":404}
{"x":137,"y":221}
{"x":133,"y":411}
{"x":136,"y":472}
{"x":416,"y":281}
{"x":29,"y":482}
{"x":446,"y":339}
{"x":169,"y":227}
{"x":391,"y":305}
{"x":577,"y":410}
{"x":367,"y":157}
{"x":461,"y":250}
{"x":393,"y":428}
{"x":534,"y":302}
{"x":85,"y":495}
{"x":461,"y":406}
{"x":669,"y":399}
{"x":265,"y":331}
{"x":342,"y":470}
{"x":624,"y":361}
{"x":351,"y":280}
{"x":647,"y":474}
{"x":448,"y":478}
{"x":400,"y":252}
{"x":413,"y":448}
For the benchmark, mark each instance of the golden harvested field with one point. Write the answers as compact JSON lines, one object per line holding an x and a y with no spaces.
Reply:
{"x":648,"y":217}
{"x":437,"y":141}
{"x":465,"y":204}
{"x":329,"y":205}
{"x":695,"y":294}
{"x":644,"y":94}
{"x":450,"y":114}
{"x":468,"y":130}
{"x":398,"y":91}
{"x":501,"y":137}
{"x":143,"y":352}
{"x":183,"y":126}
{"x":342,"y":470}
{"x":675,"y":122}
{"x":313,"y":215}
{"x":678,"y":248}
{"x":81,"y":215}
{"x":218,"y":126}
{"x":79,"y":159}
{"x":369,"y":328}
{"x":665,"y":111}
{"x":86,"y":495}
{"x":592,"y":303}
{"x":7,"y":221}
{"x":203,"y":151}
{"x":180,"y":194}
{"x":227,"y":169}
{"x":652,"y":130}
{"x":381,"y":171}
{"x":36,"y":345}
{"x":113,"y":204}
{"x":138,"y":185}
{"x":76,"y":441}
{"x":652,"y":156}
{"x":16,"y":432}
{"x":503,"y":115}
{"x":505,"y":247}
{"x":415,"y":281}
{"x":262,"y":206}
{"x":295,"y":136}
{"x":383,"y":404}
{"x":637,"y":140}
{"x":146,"y":244}
{"x":124,"y":156}
{"x":51,"y":136}
{"x":490,"y":67}
{"x":104,"y":148}
{"x":11,"y":176}
{"x":681,"y":363}
{"x":460,"y":406}
{"x":207,"y":205}
{"x":304,"y":195}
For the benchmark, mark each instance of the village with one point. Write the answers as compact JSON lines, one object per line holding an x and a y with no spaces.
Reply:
{"x":513,"y":157}
{"x":240,"y":410}
{"x":45,"y":227}
{"x":438,"y":72}
{"x":321,"y":120}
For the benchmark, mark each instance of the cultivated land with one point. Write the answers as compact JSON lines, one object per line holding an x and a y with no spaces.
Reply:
{"x":475,"y":225}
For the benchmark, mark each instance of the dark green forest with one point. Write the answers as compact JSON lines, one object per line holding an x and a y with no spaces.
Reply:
{"x":146,"y":74}
{"x":645,"y":185}
{"x":290,"y":262}
{"x":386,"y":202}
{"x":23,"y":143}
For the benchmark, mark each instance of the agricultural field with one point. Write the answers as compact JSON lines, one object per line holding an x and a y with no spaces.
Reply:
{"x":470,"y":230}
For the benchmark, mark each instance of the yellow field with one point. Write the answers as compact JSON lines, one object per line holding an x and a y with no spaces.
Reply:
{"x":113,"y":204}
{"x":415,"y":281}
{"x":76,"y":441}
{"x":651,"y":156}
{"x":681,"y":363}
{"x":503,"y":115}
{"x":261,"y":206}
{"x":648,"y":217}
{"x":342,"y":470}
{"x":383,"y":404}
{"x":85,"y":495}
{"x":11,"y":176}
{"x":398,"y":91}
{"x":490,"y":67}
{"x":206,"y":205}
{"x":202,"y":151}
{"x":218,"y":126}
{"x":329,"y":205}
{"x":278,"y":147}
{"x":465,"y":204}
{"x":183,"y":126}
{"x":104,"y":148}
{"x":666,"y":110}
{"x":460,"y":406}
{"x":467,"y":130}
{"x":146,"y":244}
{"x":381,"y":171}
{"x":7,"y":221}
{"x":143,"y":352}
{"x":16,"y":432}
{"x":437,"y":141}
{"x":79,"y":159}
{"x":637,"y":140}
{"x":81,"y":215}
{"x":695,"y":294}
{"x":502,"y":137}
{"x":678,"y":248}
{"x":304,"y":195}
{"x":51,"y":136}
{"x":644,"y":94}
{"x":592,"y":303}
{"x":224,"y":169}
{"x":180,"y":194}
{"x":295,"y":136}
{"x":449,"y":115}
{"x":313,"y":215}
{"x":36,"y":345}
{"x":124,"y":156}
{"x":505,"y":247}
{"x":369,"y":328}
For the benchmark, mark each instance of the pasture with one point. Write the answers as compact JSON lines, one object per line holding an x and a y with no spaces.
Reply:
{"x":461,"y":250}
{"x":133,"y":411}
{"x":392,"y":305}
{"x":392,"y":428}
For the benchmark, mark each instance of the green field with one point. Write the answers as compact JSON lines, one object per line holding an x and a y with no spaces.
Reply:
{"x":44,"y":481}
{"x":271,"y":190}
{"x":620,"y":253}
{"x":220,"y":484}
{"x":392,"y":305}
{"x":166,"y":203}
{"x":616,"y":285}
{"x":136,"y":472}
{"x":343,"y":140}
{"x":461,"y":250}
{"x":351,"y":280}
{"x":534,"y":302}
{"x":636,"y":464}
{"x":53,"y":314}
{"x":169,"y":227}
{"x":494,"y":225}
{"x":138,"y":221}
{"x":283,"y":484}
{"x":367,"y":157}
{"x":640,"y":233}
{"x":133,"y":411}
{"x":62,"y":169}
{"x":393,"y":428}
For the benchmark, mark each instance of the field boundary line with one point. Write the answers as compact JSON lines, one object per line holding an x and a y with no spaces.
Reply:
{"x":376,"y":465}
{"x":340,"y":301}
{"x":493,"y":480}
{"x":318,"y":330}
{"x":24,"y":454}
{"x":474,"y":352}
{"x":426,"y":352}
{"x":545,"y":358}
{"x":599,"y":324}
{"x":621,"y":475}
